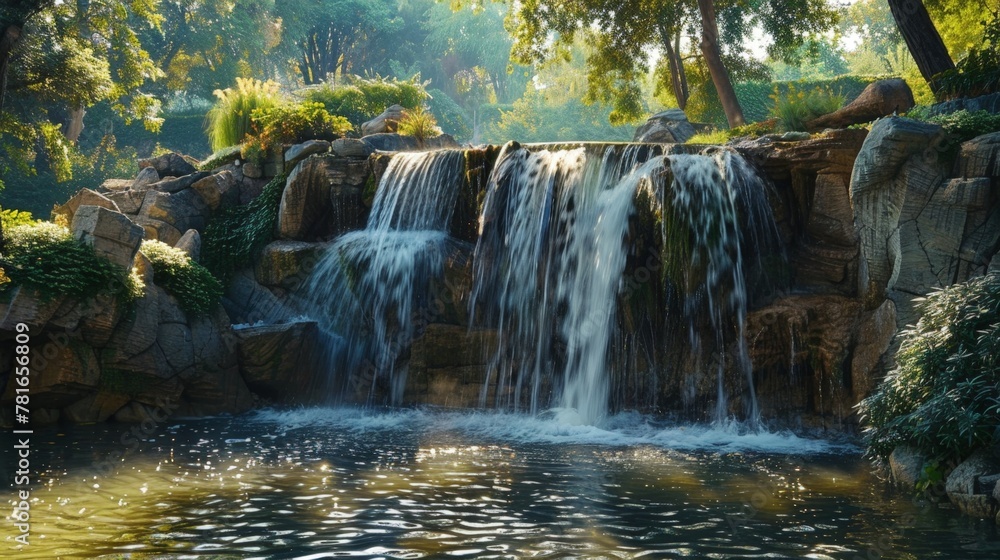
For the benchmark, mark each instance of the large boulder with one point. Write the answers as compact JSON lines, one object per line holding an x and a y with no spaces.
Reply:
{"x":907,"y":467}
{"x":287,"y":264}
{"x":299,"y":152}
{"x":218,"y":190}
{"x":897,"y":156}
{"x":29,"y":307}
{"x":84,"y":197}
{"x":323,"y":197}
{"x":879,"y":99}
{"x":169,"y":165}
{"x":65,"y":371}
{"x":964,"y":489}
{"x":110,"y":233}
{"x":177,"y":184}
{"x":388,"y":121}
{"x":668,"y":127}
{"x":392,"y":142}
{"x":147,"y":176}
{"x":279,"y":361}
{"x":128,"y":201}
{"x":980,"y":157}
{"x":190,"y":243}
{"x":875,"y":335}
{"x":183,"y":210}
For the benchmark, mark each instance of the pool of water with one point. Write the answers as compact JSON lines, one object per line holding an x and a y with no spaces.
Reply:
{"x":322,"y":483}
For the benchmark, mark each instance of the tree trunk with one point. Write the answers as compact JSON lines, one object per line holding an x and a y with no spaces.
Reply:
{"x":713,"y":58}
{"x":678,"y":79}
{"x":11,"y":35}
{"x":922,"y":38}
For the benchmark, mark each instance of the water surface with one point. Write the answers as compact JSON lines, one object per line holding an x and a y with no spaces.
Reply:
{"x":323,"y":483}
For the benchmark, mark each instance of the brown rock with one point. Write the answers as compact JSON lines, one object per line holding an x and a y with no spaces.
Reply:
{"x":63,"y":371}
{"x":879,"y":99}
{"x":218,"y":189}
{"x":83,"y":197}
{"x":980,"y":157}
{"x":830,"y":217}
{"x":184,"y":210}
{"x":29,"y":307}
{"x":874,"y":337}
{"x":278,"y":361}
{"x":323,"y":197}
{"x":172,"y":164}
{"x":146,"y":177}
{"x":388,"y":121}
{"x":96,"y":407}
{"x":190,"y":243}
{"x":111,"y":234}
{"x":159,"y":230}
{"x":177,"y":184}
{"x":129,"y":202}
{"x":287,"y":264}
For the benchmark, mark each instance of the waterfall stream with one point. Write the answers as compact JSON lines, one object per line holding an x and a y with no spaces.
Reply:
{"x":549,"y":270}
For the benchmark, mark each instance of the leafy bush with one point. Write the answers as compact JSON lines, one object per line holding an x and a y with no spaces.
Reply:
{"x":196,"y":290}
{"x":964,"y":125}
{"x":418,"y":123}
{"x":796,"y":107}
{"x":283,"y":124}
{"x":944,"y":395}
{"x":230,"y":119}
{"x":13,"y":218}
{"x":362,"y":99}
{"x":237,"y":234}
{"x":451,"y":117}
{"x":46,"y":258}
{"x":755,"y":97}
{"x":976,"y":74}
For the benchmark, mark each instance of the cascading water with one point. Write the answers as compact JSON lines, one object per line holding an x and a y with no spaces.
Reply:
{"x":549,"y":270}
{"x":548,"y":267}
{"x":552,"y":251}
{"x":369,"y":284}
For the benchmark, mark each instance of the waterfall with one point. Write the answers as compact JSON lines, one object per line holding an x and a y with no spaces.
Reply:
{"x":372,"y":285}
{"x":551,"y":269}
{"x":550,"y":259}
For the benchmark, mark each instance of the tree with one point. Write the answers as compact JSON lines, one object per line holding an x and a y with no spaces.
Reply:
{"x":628,"y":29}
{"x":922,"y":38}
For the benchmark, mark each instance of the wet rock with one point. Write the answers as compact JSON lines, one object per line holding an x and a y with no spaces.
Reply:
{"x":388,"y":121}
{"x":279,"y":361}
{"x":248,"y":302}
{"x":448,"y":365}
{"x":964,"y":489}
{"x":169,"y":165}
{"x":63,"y":372}
{"x":323,"y":198}
{"x":907,"y":466}
{"x":84,"y":197}
{"x":879,"y":99}
{"x":110,"y":233}
{"x":287,"y":264}
{"x":96,"y":407}
{"x":874,"y":338}
{"x":667,"y":127}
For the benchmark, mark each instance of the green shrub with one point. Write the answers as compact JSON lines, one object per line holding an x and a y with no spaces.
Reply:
{"x":290,"y":123}
{"x":362,"y":99}
{"x":418,"y":123}
{"x":45,"y":257}
{"x":230,"y":119}
{"x":796,"y":107}
{"x":234,"y":236}
{"x":755,"y":97}
{"x":964,"y":125}
{"x":976,"y":74}
{"x":196,"y":290}
{"x":717,"y":137}
{"x":13,"y":218}
{"x":944,"y":395}
{"x":451,"y":117}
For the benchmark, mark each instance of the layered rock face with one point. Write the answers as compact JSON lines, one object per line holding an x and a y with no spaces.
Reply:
{"x":869,"y":220}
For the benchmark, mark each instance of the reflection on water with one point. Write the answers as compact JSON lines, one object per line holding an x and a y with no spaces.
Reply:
{"x":322,"y":483}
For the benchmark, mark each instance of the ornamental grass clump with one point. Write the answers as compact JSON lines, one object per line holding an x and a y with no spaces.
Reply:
{"x":796,"y":107}
{"x":230,"y":120}
{"x":943,"y":397}
{"x":418,"y":123}
{"x":196,"y":290}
